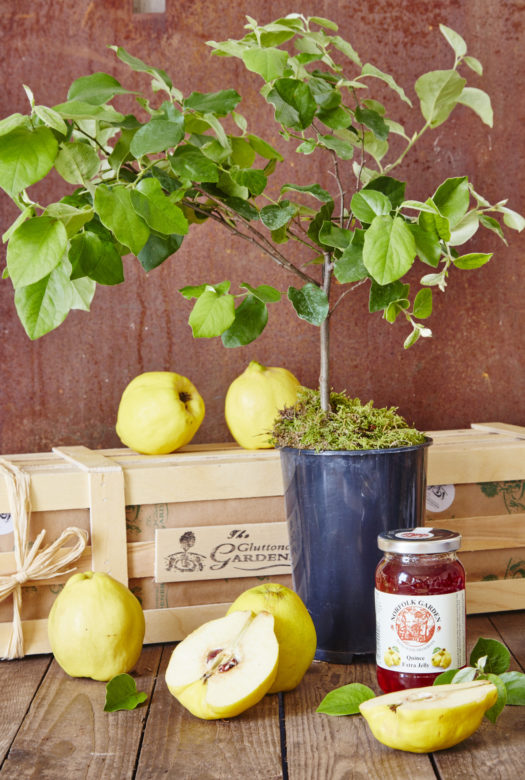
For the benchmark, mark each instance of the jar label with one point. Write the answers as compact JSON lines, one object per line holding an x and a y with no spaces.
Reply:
{"x":420,"y":634}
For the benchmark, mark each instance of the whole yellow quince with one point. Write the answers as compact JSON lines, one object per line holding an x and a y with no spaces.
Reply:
{"x":294,"y":629}
{"x":253,"y":401}
{"x":159,"y":412}
{"x":421,"y":720}
{"x":96,"y":627}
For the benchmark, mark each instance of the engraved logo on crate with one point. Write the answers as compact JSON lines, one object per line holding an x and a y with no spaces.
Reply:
{"x":221,"y":551}
{"x":6,"y":523}
{"x":439,"y":497}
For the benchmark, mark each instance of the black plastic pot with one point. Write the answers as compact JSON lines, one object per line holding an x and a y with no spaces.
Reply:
{"x":337,"y":502}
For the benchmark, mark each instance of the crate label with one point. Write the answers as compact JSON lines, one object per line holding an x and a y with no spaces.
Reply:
{"x":6,"y":523}
{"x":221,"y":552}
{"x":440,"y":497}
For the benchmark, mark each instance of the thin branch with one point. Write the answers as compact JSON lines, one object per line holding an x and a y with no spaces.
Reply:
{"x":348,"y":290}
{"x":255,"y":236}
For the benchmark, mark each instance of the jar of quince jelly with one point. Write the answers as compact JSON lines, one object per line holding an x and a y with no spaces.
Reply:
{"x":420,"y":607}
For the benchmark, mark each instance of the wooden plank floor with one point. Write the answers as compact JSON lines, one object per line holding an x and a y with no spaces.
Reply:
{"x":54,"y":726}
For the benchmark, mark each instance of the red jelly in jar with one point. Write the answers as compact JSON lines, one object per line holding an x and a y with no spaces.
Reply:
{"x":420,"y":607}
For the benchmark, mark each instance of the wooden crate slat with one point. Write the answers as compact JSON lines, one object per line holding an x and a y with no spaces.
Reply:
{"x":490,"y":532}
{"x":495,"y":595}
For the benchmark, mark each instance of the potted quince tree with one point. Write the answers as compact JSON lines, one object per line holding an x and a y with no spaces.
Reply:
{"x":138,"y":184}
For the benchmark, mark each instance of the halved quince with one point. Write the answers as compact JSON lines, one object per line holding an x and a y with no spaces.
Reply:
{"x":421,"y":720}
{"x":225,"y":666}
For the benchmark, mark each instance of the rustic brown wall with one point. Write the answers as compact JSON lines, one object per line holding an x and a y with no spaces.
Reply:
{"x":65,"y":388}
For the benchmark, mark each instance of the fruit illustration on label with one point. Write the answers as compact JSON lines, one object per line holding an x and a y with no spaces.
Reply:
{"x":415,"y":626}
{"x":441,"y":657}
{"x":392,"y":657}
{"x":225,"y":666}
{"x":421,"y":720}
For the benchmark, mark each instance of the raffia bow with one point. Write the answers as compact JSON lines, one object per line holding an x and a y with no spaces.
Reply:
{"x":33,"y":562}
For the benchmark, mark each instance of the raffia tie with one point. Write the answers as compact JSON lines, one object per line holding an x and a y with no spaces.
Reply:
{"x":33,"y":562}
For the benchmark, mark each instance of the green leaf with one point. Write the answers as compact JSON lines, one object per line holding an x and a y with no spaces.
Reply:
{"x":455,"y":40}
{"x":140,"y":67}
{"x":90,"y":256}
{"x":83,"y":292}
{"x":326,"y":97}
{"x":250,"y":320}
{"x":35,"y":249}
{"x":512,"y":219}
{"x":242,"y":207}
{"x":435,"y":223}
{"x":157,"y":210}
{"x":492,"y":224}
{"x":243,"y":154}
{"x":51,"y":119}
{"x":373,"y":121}
{"x":472,"y":260}
{"x":263,"y":292}
{"x":310,"y":303}
{"x":44,"y":305}
{"x":368,"y":204}
{"x":452,"y":199}
{"x":331,"y":235}
{"x":97,"y":88}
{"x":445,"y":678}
{"x":392,"y":188}
{"x":270,"y":63}
{"x":464,"y":229}
{"x":26,"y":156}
{"x":428,"y":246}
{"x":467,"y":674}
{"x":116,"y":212}
{"x":371,"y":70}
{"x":343,"y":149}
{"x":263,"y":149}
{"x":311,"y":189}
{"x":382,"y":295}
{"x":71,"y":217}
{"x":212,"y":314}
{"x":77,"y":162}
{"x":254,"y":181}
{"x":345,"y":48}
{"x":10,"y":123}
{"x":515,"y":685}
{"x":389,"y":249}
{"x":474,"y":64}
{"x":324,"y":213}
{"x":157,"y":249}
{"x":218,"y":103}
{"x":498,"y":656}
{"x":78,"y":109}
{"x":294,"y":104}
{"x":25,"y":214}
{"x":275,"y":216}
{"x":190,"y":163}
{"x":345,"y":700}
{"x":495,"y":711}
{"x":350,"y":267}
{"x":122,"y":694}
{"x":423,"y":304}
{"x":478,"y":101}
{"x":336,"y":118}
{"x":438,"y":93}
{"x":158,"y":135}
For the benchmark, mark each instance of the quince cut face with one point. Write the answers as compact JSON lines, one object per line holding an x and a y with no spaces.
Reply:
{"x":421,"y":720}
{"x":253,"y":401}
{"x":225,"y":666}
{"x":159,"y":412}
{"x":294,"y":629}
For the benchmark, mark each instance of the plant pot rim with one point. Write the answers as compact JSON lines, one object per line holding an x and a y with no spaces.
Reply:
{"x":356,"y":453}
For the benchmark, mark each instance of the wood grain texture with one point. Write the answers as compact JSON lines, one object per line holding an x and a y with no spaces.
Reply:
{"x":179,"y":745}
{"x":67,"y":734}
{"x":19,"y":681}
{"x":339,"y":748}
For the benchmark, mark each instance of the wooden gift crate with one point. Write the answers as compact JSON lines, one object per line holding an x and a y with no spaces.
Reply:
{"x":189,"y":531}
